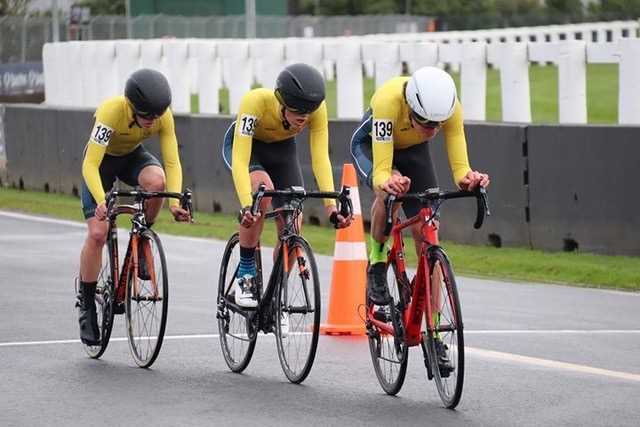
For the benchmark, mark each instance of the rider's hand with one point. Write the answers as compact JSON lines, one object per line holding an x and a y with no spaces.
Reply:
{"x":472,"y":179}
{"x":179,"y":214}
{"x":101,"y":211}
{"x":396,"y":185}
{"x":341,"y":222}
{"x":247,"y":219}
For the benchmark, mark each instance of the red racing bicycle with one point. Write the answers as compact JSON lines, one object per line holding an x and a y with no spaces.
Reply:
{"x":425,"y":310}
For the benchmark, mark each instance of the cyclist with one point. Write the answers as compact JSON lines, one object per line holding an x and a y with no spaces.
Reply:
{"x":391,"y":150}
{"x":115,"y":150}
{"x":260,"y":148}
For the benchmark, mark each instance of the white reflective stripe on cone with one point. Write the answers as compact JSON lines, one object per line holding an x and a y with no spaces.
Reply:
{"x":350,"y":251}
{"x":355,"y":200}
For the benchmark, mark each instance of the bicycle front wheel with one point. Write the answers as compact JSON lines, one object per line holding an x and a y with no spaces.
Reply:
{"x":147,"y":300}
{"x":448,"y":329}
{"x":298,"y":314}
{"x":104,"y":300}
{"x":389,"y":352}
{"x":236,"y":337}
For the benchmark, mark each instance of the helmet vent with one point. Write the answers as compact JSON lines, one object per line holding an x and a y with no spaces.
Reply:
{"x":297,"y":82}
{"x":419,"y":100}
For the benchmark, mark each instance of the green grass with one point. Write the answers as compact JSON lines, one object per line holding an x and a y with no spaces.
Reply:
{"x":602,"y":94}
{"x":505,"y":263}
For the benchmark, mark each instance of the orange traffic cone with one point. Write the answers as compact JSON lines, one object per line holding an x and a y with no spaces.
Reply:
{"x":349,"y":278}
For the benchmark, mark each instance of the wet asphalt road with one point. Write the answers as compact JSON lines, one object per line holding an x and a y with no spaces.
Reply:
{"x":536,"y":354}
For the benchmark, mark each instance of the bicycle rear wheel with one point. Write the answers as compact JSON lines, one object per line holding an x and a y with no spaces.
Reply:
{"x":147,"y":302}
{"x":449,"y":329}
{"x":389,"y":352}
{"x":298,"y":314}
{"x":236,"y":337}
{"x":104,"y":305}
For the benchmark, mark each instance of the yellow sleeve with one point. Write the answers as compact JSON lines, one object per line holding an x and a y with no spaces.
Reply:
{"x":456,"y":144}
{"x":91,"y":170}
{"x":99,"y":139}
{"x":246,"y":121}
{"x":170,"y":155}
{"x":320,"y":161}
{"x":382,"y":126}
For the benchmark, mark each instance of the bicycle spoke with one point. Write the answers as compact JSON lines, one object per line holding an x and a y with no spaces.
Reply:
{"x":299,"y":299}
{"x":390,"y":365}
{"x":235,"y":340}
{"x":147,"y":305}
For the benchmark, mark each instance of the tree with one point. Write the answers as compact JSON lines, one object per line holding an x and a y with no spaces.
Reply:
{"x":104,"y":7}
{"x":13,"y":7}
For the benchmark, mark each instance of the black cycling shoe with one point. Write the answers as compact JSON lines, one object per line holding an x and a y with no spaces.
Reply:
{"x":88,"y":318}
{"x":118,"y":308}
{"x":377,"y":289}
{"x":143,"y":271}
{"x":444,"y":364}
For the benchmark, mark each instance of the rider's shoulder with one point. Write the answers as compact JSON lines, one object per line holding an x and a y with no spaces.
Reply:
{"x":112,"y":109}
{"x":390,"y":93}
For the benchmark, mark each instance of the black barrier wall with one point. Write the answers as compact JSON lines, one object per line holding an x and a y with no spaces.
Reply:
{"x":584,"y":188}
{"x":552,"y":187}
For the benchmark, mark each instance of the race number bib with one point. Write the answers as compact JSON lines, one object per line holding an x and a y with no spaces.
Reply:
{"x":248,"y":125}
{"x":383,"y":130}
{"x":101,"y":134}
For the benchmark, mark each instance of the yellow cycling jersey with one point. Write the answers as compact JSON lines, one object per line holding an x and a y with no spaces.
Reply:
{"x":391,"y":129}
{"x":260,"y":116}
{"x":116,"y":133}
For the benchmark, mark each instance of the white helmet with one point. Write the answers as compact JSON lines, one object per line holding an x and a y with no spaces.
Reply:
{"x":431,"y":95}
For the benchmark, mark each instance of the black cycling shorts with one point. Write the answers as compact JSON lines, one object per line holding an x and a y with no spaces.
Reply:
{"x":414,"y":162}
{"x":278,"y":159}
{"x":126,"y":168}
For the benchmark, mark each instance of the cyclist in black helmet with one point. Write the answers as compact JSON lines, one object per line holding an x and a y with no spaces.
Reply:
{"x":260,"y":147}
{"x":115,"y":150}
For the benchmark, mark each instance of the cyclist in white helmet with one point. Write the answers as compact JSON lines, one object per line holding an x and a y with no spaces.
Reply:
{"x":391,"y":151}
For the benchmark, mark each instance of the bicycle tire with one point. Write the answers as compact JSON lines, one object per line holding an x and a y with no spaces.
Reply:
{"x":301,"y":304}
{"x":450,"y":331}
{"x":104,"y":304}
{"x":389,"y":354}
{"x":228,"y":321}
{"x":144,"y":329}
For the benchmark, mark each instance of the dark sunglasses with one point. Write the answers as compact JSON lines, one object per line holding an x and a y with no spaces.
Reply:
{"x":425,"y":123}
{"x":293,"y":110}
{"x":146,"y":116}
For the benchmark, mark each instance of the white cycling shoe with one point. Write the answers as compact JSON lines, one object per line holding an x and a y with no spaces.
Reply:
{"x":244,"y":295}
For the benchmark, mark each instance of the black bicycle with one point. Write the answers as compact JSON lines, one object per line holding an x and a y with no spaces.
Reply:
{"x":140,"y":290}
{"x":289,"y":306}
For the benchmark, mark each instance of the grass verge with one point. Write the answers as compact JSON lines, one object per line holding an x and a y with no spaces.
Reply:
{"x":579,"y":269}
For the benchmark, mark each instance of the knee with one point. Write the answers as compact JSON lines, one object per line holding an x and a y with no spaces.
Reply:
{"x":97,"y":236}
{"x":153,"y":180}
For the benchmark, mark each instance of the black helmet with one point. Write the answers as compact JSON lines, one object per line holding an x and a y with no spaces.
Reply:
{"x":300,"y":88}
{"x":149,"y":92}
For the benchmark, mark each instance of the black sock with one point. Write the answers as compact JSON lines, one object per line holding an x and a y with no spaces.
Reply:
{"x":88,"y":287}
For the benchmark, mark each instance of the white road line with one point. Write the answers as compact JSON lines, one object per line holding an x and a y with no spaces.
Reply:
{"x":487,"y":354}
{"x":42,"y":219}
{"x":467,"y":332}
{"x":553,"y":364}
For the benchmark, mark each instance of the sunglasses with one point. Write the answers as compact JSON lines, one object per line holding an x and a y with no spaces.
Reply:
{"x":293,"y":110}
{"x":425,"y":123}
{"x":145,"y":115}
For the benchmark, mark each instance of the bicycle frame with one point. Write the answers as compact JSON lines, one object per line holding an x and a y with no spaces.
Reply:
{"x":138,"y":226}
{"x":420,"y":304}
{"x":281,"y":266}
{"x":120,"y":277}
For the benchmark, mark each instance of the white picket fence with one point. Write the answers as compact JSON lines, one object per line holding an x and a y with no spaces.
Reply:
{"x":81,"y":74}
